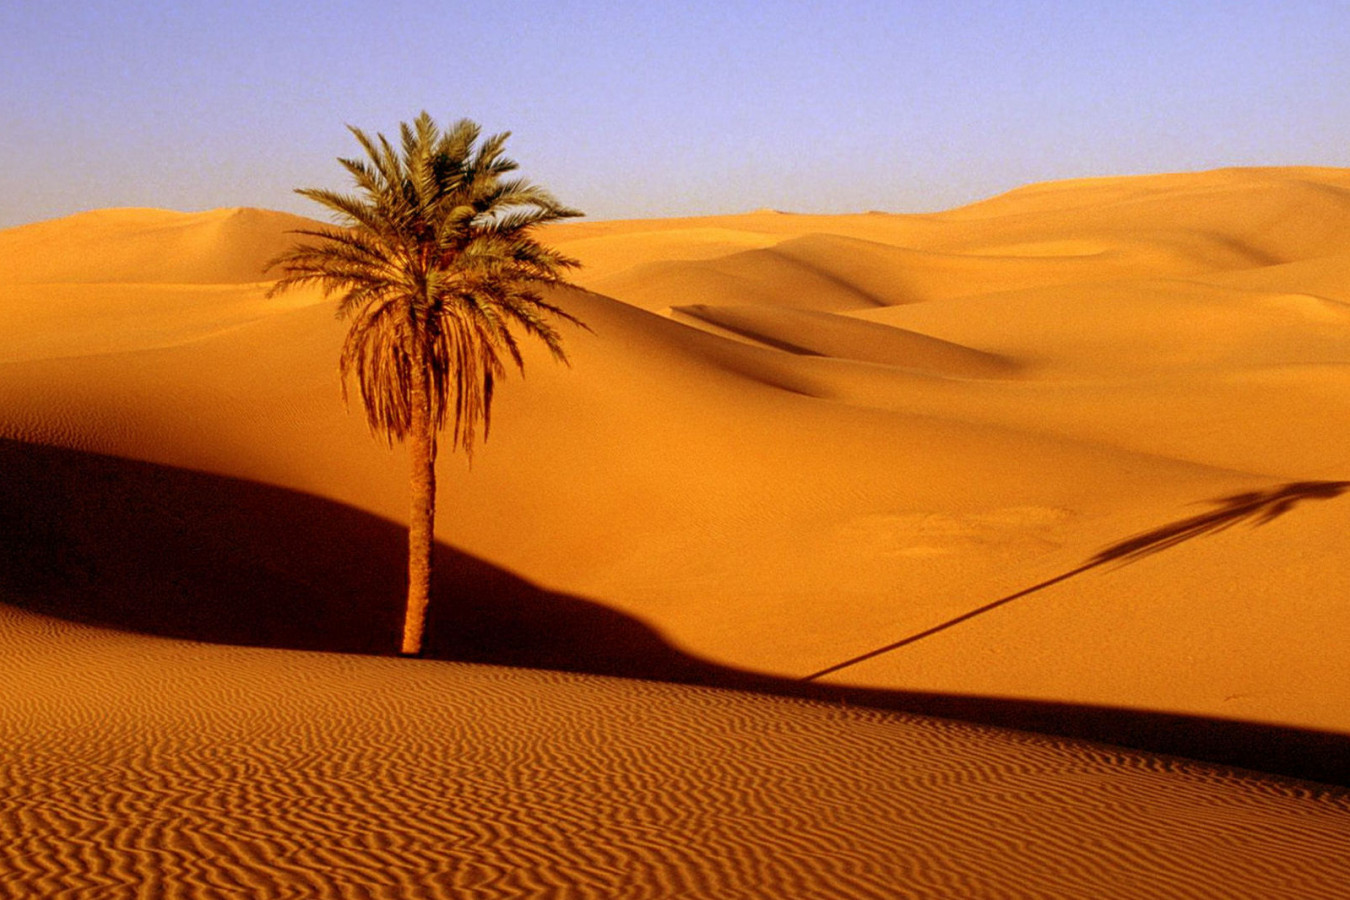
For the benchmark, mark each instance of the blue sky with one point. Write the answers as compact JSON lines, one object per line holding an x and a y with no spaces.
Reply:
{"x":635,"y":110}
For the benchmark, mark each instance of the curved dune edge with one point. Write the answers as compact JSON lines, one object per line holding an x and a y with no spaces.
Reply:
{"x":209,"y":771}
{"x":809,"y":333}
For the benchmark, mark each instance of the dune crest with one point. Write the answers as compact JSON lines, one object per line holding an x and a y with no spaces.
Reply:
{"x":147,"y":246}
{"x":809,"y":333}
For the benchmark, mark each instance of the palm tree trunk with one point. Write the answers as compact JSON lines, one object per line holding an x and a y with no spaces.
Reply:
{"x":422,"y":515}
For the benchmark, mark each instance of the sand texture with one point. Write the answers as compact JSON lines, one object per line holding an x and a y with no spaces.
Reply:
{"x":141,"y":767}
{"x":1070,"y":461}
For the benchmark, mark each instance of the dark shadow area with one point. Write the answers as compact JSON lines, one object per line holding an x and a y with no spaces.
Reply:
{"x":1256,"y":507}
{"x":170,"y":552}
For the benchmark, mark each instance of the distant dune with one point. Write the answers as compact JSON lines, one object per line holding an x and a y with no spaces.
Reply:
{"x":1071,"y":460}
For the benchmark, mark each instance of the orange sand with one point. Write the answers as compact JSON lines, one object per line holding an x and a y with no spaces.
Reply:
{"x":788,"y":441}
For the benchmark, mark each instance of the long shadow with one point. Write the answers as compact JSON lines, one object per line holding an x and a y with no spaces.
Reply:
{"x":170,"y":552}
{"x":1257,"y":507}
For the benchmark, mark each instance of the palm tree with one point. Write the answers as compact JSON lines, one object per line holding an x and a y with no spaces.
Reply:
{"x":434,"y":261}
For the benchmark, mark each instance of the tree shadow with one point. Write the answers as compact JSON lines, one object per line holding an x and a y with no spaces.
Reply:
{"x":170,"y":552}
{"x":1255,"y":507}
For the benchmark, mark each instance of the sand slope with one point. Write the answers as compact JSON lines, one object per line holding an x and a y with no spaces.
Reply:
{"x":1074,"y":448}
{"x":222,"y":246}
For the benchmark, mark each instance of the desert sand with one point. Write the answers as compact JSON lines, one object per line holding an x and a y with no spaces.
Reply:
{"x":986,"y":553}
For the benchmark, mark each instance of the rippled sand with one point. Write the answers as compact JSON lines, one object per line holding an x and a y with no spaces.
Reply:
{"x":143,"y":767}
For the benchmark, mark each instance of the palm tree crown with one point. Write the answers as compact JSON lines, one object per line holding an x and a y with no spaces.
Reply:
{"x":435,"y":264}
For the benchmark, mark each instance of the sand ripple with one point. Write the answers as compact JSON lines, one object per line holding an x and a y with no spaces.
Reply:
{"x":141,"y":767}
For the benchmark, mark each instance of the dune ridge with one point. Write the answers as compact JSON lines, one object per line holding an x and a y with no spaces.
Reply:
{"x":147,"y":246}
{"x":818,"y":334}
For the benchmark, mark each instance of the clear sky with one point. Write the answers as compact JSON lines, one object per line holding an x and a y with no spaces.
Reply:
{"x":629,"y":109}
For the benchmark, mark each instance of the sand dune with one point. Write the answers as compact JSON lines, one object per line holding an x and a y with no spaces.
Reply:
{"x":222,"y":246}
{"x":1072,"y":453}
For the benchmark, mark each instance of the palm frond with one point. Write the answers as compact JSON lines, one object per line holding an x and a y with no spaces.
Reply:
{"x":433,"y":257}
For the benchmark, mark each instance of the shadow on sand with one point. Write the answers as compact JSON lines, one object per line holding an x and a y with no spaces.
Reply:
{"x":1256,"y":507}
{"x":171,"y":552}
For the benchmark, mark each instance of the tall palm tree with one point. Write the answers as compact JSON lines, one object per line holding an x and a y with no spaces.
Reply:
{"x":435,"y":261}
